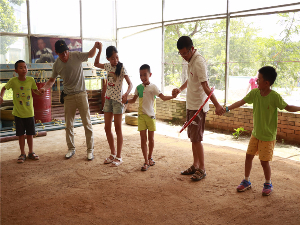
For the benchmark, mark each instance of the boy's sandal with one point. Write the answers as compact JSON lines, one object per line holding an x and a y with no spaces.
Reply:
{"x":189,"y":171}
{"x":151,"y":162}
{"x":33,"y":156}
{"x":21,"y":158}
{"x":145,"y":167}
{"x":109,"y":160}
{"x":117,"y":162}
{"x":198,"y":175}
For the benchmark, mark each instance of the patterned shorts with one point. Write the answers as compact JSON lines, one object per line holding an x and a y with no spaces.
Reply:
{"x":262,"y":148}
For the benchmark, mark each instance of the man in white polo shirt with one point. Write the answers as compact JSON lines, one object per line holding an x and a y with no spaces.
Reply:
{"x":197,"y":92}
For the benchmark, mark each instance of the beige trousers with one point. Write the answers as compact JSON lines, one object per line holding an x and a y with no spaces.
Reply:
{"x":72,"y":102}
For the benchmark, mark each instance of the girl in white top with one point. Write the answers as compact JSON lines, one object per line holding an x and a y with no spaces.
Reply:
{"x":114,"y":100}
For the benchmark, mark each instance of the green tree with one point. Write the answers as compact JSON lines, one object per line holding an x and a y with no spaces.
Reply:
{"x":8,"y":23}
{"x":247,"y":52}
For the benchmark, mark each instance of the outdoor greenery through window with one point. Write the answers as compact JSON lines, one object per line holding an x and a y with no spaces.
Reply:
{"x":254,"y":42}
{"x":209,"y":39}
{"x":271,"y":40}
{"x":257,"y":37}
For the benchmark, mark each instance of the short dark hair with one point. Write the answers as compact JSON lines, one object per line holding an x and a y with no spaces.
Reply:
{"x":17,"y":63}
{"x":145,"y":67}
{"x":184,"y":42}
{"x":269,"y":74}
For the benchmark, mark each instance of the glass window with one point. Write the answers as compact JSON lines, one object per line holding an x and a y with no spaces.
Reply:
{"x":13,"y":49}
{"x":258,"y":41}
{"x":8,"y":95}
{"x":13,"y":16}
{"x":238,"y":5}
{"x":138,"y":46}
{"x":135,"y":12}
{"x":88,"y":45}
{"x":55,"y":17}
{"x":98,"y":19}
{"x":178,"y":9}
{"x":209,"y":40}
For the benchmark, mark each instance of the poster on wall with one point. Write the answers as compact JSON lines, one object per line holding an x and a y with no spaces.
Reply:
{"x":43,"y":50}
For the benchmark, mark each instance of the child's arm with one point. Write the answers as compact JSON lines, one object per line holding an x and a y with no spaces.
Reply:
{"x":130,"y":85}
{"x":236,"y":104}
{"x":36,"y":91}
{"x":2,"y":94}
{"x":176,"y":91}
{"x":97,"y":59}
{"x":292,"y":108}
{"x":164,"y":98}
{"x":132,"y":100}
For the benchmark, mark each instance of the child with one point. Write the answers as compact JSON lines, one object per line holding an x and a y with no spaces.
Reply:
{"x":265,"y":103}
{"x":252,"y":83}
{"x":23,"y":108}
{"x":113,"y":106}
{"x":146,"y":119}
{"x":197,"y":91}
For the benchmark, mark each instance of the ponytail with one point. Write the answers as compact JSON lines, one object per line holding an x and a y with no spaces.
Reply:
{"x":119,"y":68}
{"x":109,"y":51}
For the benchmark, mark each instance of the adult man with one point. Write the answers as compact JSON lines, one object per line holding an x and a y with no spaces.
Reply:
{"x":197,"y":92}
{"x":69,"y":67}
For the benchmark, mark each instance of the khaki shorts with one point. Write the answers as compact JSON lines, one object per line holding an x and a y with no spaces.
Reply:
{"x":262,"y":148}
{"x":196,"y":129}
{"x":145,"y":122}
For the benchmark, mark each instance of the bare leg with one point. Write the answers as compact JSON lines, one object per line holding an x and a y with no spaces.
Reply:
{"x":22,"y":144}
{"x":143,"y":134}
{"x":198,"y":153}
{"x":118,"y":129}
{"x":267,"y":169}
{"x":248,"y":164}
{"x":108,"y":116}
{"x":151,"y":143}
{"x":30,"y":143}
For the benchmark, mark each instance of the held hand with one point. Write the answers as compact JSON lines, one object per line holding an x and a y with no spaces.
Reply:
{"x":175,"y":92}
{"x":124,"y":98}
{"x":220,"y":110}
{"x":42,"y":91}
{"x":98,"y":45}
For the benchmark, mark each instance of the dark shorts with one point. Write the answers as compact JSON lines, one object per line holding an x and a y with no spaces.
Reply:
{"x":25,"y":124}
{"x":196,"y":128}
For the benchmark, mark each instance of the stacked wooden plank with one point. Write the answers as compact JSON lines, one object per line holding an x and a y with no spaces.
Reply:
{"x":94,"y":98}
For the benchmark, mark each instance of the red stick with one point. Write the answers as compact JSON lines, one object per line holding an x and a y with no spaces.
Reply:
{"x":189,"y":122}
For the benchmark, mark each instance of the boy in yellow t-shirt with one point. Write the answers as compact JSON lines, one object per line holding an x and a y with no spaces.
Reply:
{"x":23,"y":108}
{"x":265,"y":103}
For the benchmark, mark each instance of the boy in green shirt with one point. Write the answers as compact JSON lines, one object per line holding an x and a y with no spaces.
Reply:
{"x":265,"y":103}
{"x":23,"y":108}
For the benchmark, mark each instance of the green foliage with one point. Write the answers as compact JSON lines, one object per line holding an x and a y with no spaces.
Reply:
{"x":8,"y":95}
{"x":8,"y":23}
{"x":247,"y":52}
{"x":238,"y":132}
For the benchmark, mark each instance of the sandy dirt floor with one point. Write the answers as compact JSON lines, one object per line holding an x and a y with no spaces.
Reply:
{"x":75,"y":191}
